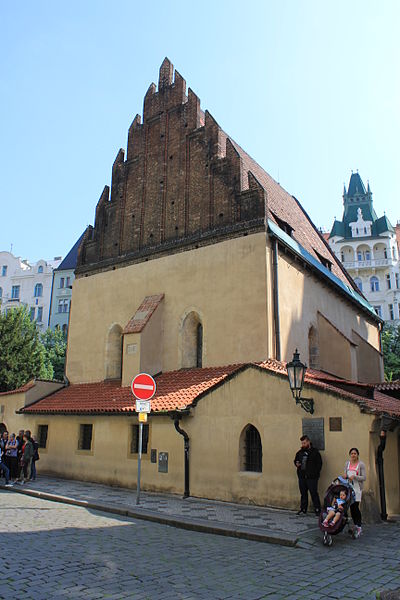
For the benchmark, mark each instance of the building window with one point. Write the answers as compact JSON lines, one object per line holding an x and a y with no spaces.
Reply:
{"x":342,"y":256}
{"x":358,"y":283}
{"x":40,"y":269}
{"x":192,"y":341}
{"x":68,"y":282}
{"x":359,"y":256}
{"x":85,"y":437}
{"x":63,"y":306}
{"x":42,"y":435}
{"x":62,"y":280}
{"x":38,"y":290}
{"x":378,"y":310}
{"x":388,"y":282}
{"x":135,"y":439}
{"x":397,"y":280}
{"x":4,"y":270}
{"x":250,"y":450}
{"x":39,"y":314}
{"x":1,"y":293}
{"x":64,"y":329}
{"x":391,"y":312}
{"x":32,"y":313}
{"x":15,"y":292}
{"x":374,"y":284}
{"x":367,"y":255}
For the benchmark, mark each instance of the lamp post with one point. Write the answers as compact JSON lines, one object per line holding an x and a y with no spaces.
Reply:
{"x":296,"y":372}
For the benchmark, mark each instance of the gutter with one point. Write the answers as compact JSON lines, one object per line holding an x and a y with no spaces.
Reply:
{"x":381,"y":475}
{"x":177,"y":418}
{"x":275,"y":284}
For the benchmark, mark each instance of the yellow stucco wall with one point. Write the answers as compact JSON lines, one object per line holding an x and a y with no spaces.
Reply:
{"x":224,"y":283}
{"x":301,"y":297}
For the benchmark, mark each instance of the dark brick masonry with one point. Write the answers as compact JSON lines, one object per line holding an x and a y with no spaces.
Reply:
{"x":182,"y":181}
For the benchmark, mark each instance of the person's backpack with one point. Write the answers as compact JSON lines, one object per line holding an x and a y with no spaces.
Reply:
{"x":36,"y":451}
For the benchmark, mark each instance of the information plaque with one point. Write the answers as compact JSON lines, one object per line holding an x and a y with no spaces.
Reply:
{"x":314,"y":428}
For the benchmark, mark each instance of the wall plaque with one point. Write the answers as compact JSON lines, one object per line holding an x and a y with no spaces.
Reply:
{"x":314,"y":428}
{"x":335,"y":423}
{"x":163,"y":462}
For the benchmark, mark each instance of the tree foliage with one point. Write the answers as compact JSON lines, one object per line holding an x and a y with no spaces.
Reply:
{"x":391,"y":352}
{"x":55,"y":346}
{"x":22,"y":355}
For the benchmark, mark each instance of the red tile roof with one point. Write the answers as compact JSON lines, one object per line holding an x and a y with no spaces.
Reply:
{"x":20,"y":390}
{"x":143,"y":314}
{"x":178,"y":390}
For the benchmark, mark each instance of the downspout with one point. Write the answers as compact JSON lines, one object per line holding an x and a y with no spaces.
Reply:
{"x":186,"y":446}
{"x":381,"y":475}
{"x":276,"y":299}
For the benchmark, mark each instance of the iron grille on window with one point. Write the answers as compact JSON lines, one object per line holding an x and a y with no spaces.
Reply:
{"x":253,"y":450}
{"x":42,"y":435}
{"x":85,"y":437}
{"x":135,"y":439}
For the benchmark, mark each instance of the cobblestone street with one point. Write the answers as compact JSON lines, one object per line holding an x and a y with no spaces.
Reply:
{"x":52,"y":550}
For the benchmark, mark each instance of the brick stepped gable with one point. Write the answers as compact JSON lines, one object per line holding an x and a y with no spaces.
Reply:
{"x":185,"y":183}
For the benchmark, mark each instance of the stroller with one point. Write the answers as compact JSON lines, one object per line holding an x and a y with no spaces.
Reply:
{"x":332,"y":492}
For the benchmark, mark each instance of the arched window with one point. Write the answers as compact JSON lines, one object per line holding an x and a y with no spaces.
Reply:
{"x":192,"y":341}
{"x":40,"y":269}
{"x":250,"y":450}
{"x":374,"y":281}
{"x":358,"y":283}
{"x":313,"y":348}
{"x":113,"y":358}
{"x":38,"y":290}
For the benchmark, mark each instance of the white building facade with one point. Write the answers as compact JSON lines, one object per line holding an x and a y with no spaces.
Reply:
{"x":23,"y":283}
{"x":368,"y":248}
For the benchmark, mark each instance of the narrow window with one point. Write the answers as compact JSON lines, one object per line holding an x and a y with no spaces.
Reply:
{"x":397,"y":279}
{"x":4,"y":270}
{"x":253,"y":450}
{"x":32,"y":313}
{"x":68,"y":282}
{"x":378,"y":310}
{"x":374,"y":281}
{"x":39,"y":314}
{"x":40,"y":269}
{"x":388,"y":282}
{"x":1,"y":293}
{"x":62,"y":282}
{"x":359,"y":256}
{"x":15,"y":292}
{"x":367,"y":255}
{"x":38,"y":290}
{"x":313,"y":349}
{"x":391,"y":312}
{"x":135,"y":439}
{"x":42,"y":435}
{"x":199,"y":359}
{"x":65,"y":329}
{"x":85,"y":437}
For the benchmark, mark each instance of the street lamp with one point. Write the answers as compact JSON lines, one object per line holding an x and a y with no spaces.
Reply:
{"x":296,"y":372}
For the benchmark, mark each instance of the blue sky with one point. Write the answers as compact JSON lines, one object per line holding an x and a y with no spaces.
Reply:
{"x":310,"y":89}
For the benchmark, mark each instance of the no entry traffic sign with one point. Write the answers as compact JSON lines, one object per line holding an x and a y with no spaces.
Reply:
{"x":143,"y":386}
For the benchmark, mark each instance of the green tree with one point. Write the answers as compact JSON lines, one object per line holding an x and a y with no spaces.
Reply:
{"x":22,"y":355}
{"x":55,"y":346}
{"x":391,"y":352}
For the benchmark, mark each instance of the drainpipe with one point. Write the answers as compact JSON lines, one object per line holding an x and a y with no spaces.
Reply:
{"x":186,"y":442}
{"x":276,"y":299}
{"x":381,"y":474}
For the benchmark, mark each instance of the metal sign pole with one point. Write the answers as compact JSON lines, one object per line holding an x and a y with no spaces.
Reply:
{"x":139,"y":462}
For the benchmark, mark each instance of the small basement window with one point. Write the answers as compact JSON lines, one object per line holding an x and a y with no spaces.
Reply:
{"x":135,"y":439}
{"x":85,"y":437}
{"x":42,"y":435}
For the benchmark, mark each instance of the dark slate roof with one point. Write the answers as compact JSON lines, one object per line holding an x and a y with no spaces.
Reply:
{"x":69,"y":261}
{"x":383,"y":224}
{"x":356,"y":185}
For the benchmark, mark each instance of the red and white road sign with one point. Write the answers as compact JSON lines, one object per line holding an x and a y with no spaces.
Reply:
{"x":143,"y":386}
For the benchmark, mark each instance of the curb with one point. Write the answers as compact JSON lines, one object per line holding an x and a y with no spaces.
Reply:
{"x":246,"y":533}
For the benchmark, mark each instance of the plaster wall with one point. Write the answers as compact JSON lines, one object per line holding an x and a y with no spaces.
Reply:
{"x":225,"y":283}
{"x":301,"y":297}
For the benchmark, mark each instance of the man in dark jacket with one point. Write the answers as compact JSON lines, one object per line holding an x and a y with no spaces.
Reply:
{"x":308,"y":463}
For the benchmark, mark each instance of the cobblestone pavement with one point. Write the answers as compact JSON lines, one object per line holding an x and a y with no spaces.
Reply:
{"x":55,"y":551}
{"x":262,"y":518}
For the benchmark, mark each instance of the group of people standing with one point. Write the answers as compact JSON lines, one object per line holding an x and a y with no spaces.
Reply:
{"x":18,"y":456}
{"x":308,"y":463}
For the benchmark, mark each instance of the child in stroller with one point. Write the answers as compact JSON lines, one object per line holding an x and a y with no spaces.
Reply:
{"x":337,"y":500}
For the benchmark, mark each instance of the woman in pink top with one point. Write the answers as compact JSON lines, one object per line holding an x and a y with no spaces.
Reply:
{"x":355,"y":472}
